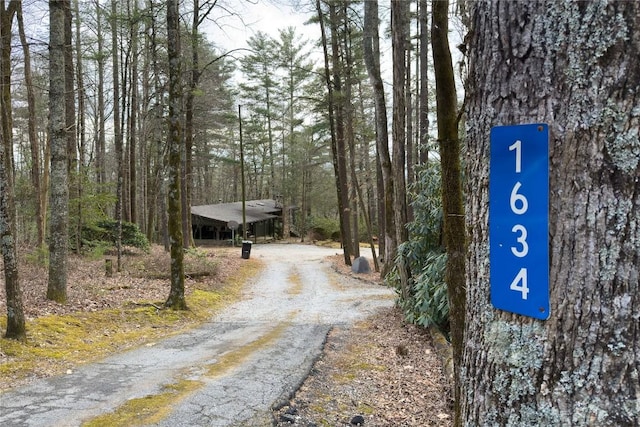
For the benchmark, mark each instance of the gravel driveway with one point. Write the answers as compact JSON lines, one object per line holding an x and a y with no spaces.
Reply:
{"x":253,"y":355}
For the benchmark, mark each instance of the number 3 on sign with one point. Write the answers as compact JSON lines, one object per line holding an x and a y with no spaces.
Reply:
{"x":518,"y":219}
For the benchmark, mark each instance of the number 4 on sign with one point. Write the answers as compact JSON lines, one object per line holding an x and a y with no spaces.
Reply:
{"x":519,"y":283}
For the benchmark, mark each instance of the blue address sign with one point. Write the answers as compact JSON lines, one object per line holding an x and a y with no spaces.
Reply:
{"x":519,"y":219}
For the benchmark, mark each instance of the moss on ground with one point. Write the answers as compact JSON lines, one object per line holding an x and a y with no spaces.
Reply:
{"x":56,"y":343}
{"x":146,"y":410}
{"x":151,"y":409}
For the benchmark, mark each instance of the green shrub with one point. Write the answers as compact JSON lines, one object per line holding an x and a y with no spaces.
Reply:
{"x":95,"y":236}
{"x":324,"y":228}
{"x":427,"y":303}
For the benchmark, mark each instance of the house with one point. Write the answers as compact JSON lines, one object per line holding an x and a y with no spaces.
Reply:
{"x":223,"y":221}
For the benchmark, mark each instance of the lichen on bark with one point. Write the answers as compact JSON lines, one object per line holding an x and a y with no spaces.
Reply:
{"x":574,"y":66}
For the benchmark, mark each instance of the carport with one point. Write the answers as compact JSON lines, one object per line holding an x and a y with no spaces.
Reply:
{"x":212,"y":223}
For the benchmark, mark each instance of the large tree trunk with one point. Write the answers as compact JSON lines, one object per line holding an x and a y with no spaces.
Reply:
{"x":350,"y":143}
{"x":336,"y":124}
{"x":117,"y":130}
{"x":15,"y":312}
{"x":340,"y":152}
{"x":452,"y":207}
{"x":59,"y":195}
{"x":176,"y":298}
{"x":574,"y":66}
{"x":371,"y":48}
{"x":399,"y":41}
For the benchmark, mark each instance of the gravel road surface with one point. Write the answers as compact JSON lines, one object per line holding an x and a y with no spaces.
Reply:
{"x":249,"y":358}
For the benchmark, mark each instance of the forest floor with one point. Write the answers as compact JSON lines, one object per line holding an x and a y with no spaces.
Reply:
{"x":379,"y":372}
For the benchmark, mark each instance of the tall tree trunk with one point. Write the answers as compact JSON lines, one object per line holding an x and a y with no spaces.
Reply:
{"x":350,"y":145}
{"x":423,"y":139}
{"x":100,"y":125}
{"x":452,"y":207}
{"x":371,"y":44}
{"x":409,"y":148}
{"x":6,"y":115}
{"x":573,"y":65}
{"x":176,"y":298}
{"x":81,"y":128}
{"x":70,"y":120}
{"x":117,"y":129}
{"x":189,"y":130}
{"x":133,"y":116}
{"x":399,"y":41}
{"x":33,"y":137}
{"x":334,"y":122}
{"x":155,"y":216}
{"x":59,"y":194}
{"x":15,"y":311}
{"x":340,"y":149}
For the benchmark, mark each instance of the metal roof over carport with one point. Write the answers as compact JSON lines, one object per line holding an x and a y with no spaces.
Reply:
{"x":255,"y":211}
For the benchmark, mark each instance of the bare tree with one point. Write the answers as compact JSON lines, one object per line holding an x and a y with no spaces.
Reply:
{"x":36,"y":180}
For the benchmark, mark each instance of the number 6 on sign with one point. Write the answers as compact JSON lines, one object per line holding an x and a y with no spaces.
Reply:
{"x":518,"y":219}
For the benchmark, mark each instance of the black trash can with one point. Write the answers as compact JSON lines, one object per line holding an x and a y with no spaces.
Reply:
{"x":246,"y":249}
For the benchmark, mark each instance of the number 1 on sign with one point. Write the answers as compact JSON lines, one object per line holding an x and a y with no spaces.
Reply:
{"x":518,"y":147}
{"x":519,"y":283}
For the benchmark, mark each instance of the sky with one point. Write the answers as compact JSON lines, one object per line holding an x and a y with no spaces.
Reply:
{"x":267,"y":16}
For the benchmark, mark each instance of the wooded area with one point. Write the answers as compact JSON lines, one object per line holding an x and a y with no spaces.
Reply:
{"x":121,"y":115}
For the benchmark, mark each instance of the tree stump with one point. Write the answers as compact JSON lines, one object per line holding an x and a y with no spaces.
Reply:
{"x":108,"y":267}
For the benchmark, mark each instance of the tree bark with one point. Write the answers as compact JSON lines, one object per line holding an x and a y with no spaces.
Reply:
{"x":423,"y":110}
{"x":574,"y":66}
{"x":336,"y":125}
{"x":59,"y":194}
{"x":118,"y":138}
{"x":371,"y":47}
{"x":6,"y":113}
{"x":15,"y":311}
{"x":340,"y":152}
{"x":399,"y":41}
{"x":176,"y":298}
{"x":100,"y":125}
{"x":70,"y":120}
{"x":350,"y":144}
{"x":133,"y":115}
{"x":187,"y":183}
{"x":33,"y":137}
{"x":452,"y":206}
{"x":81,"y":125}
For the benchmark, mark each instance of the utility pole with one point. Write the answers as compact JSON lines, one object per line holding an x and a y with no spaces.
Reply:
{"x":244,"y":209}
